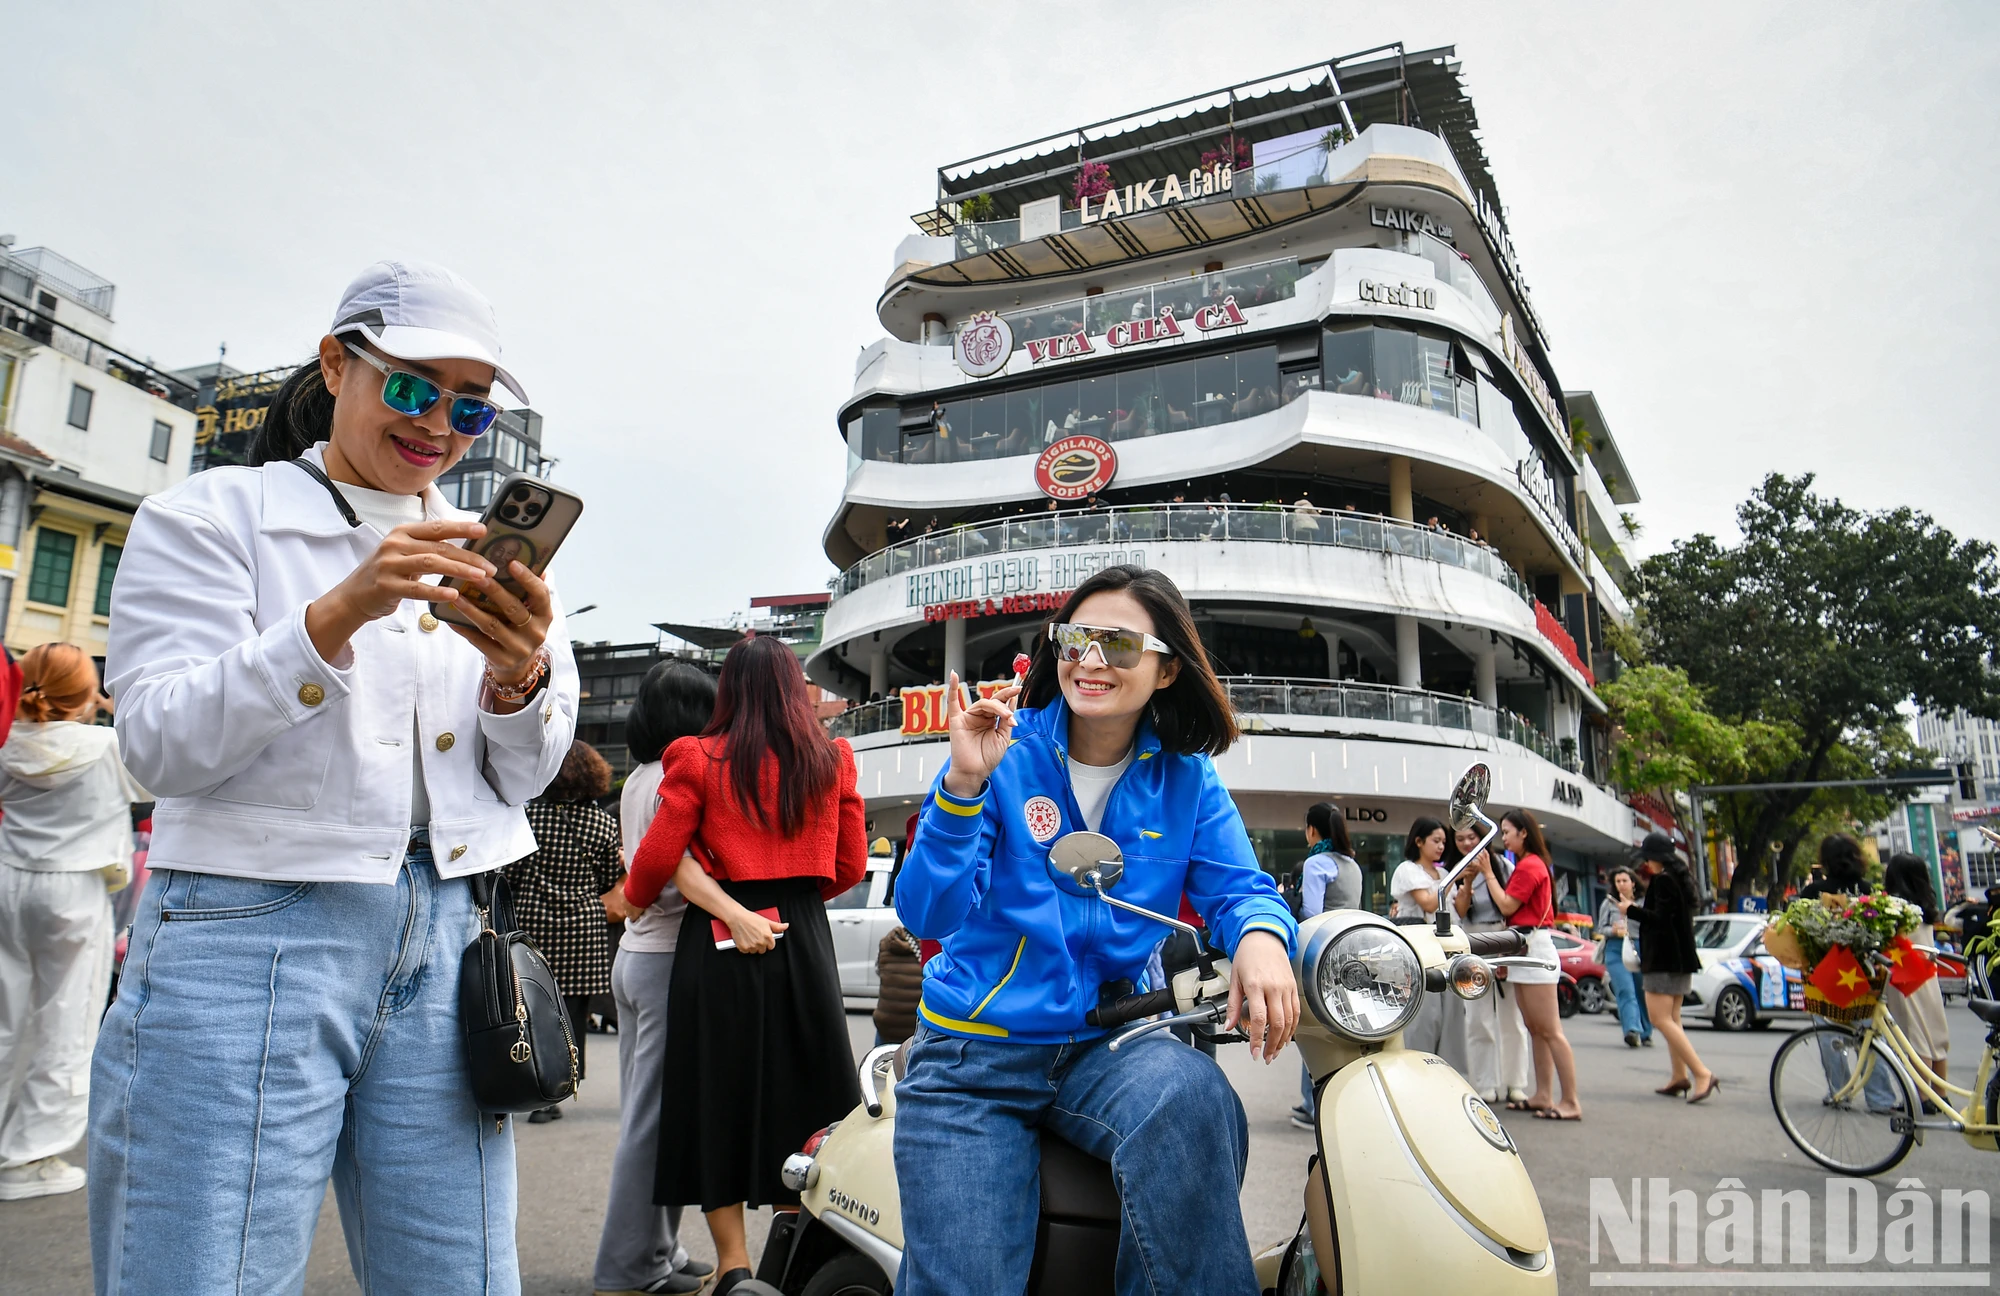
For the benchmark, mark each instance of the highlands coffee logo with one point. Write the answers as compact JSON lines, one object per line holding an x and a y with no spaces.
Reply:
{"x":1738,"y":1237}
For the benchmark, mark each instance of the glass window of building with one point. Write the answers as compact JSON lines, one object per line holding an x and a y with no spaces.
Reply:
{"x":1395,"y":363}
{"x":80,"y":398}
{"x":107,"y":572}
{"x":55,"y":557}
{"x":163,"y":441}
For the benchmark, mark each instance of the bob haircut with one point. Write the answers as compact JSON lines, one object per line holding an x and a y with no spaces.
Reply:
{"x":676,"y":700}
{"x":1840,"y":855}
{"x":1190,"y":715}
{"x":1420,"y":828}
{"x":1325,"y":818}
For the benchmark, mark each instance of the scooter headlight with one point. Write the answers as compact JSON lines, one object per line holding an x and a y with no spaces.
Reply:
{"x":1367,"y":982}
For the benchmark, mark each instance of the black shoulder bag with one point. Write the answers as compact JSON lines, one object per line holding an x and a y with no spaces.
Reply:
{"x":517,"y":1029}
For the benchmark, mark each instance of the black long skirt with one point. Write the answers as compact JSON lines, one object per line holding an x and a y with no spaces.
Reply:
{"x":758,"y":1058}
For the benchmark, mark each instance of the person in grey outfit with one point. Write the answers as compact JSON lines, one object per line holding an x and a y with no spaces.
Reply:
{"x":639,"y":1250}
{"x":1330,"y":879}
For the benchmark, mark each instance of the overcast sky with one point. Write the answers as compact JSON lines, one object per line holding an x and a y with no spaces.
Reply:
{"x":1761,"y":232}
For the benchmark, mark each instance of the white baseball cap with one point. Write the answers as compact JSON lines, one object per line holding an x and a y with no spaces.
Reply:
{"x":416,"y":310}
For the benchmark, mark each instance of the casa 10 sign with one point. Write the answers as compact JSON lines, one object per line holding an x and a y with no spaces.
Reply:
{"x":1074,"y":467}
{"x":925,"y":710}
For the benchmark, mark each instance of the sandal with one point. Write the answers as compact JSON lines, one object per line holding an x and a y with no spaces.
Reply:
{"x":1550,"y":1113}
{"x":1522,"y":1104}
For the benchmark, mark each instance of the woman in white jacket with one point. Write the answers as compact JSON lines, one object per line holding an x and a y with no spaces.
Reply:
{"x":331,"y":761}
{"x":65,"y":836}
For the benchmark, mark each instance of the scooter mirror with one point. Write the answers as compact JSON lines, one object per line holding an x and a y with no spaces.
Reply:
{"x":1091,"y":859}
{"x":1473,"y":785}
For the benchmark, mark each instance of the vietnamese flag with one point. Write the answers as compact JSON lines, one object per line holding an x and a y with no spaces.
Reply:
{"x":1839,"y":977}
{"x":1913,"y":966}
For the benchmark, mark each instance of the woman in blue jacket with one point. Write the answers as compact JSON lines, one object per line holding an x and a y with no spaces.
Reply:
{"x":1123,"y":715}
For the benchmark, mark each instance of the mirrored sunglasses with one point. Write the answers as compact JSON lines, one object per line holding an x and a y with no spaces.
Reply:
{"x":413,"y":395}
{"x":1119,"y":648}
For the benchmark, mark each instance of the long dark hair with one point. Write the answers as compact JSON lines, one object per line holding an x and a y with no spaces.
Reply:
{"x":1190,"y":715}
{"x":300,"y":416}
{"x":1531,"y":828}
{"x":1325,"y":818}
{"x":1907,"y":877}
{"x":1422,"y":827}
{"x":675,"y":699}
{"x":1840,"y":856}
{"x":761,"y":710}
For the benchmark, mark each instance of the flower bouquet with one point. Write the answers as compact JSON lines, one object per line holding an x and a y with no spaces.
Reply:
{"x":1830,"y":938}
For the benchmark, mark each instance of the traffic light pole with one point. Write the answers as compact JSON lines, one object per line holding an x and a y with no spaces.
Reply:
{"x":1698,"y":792}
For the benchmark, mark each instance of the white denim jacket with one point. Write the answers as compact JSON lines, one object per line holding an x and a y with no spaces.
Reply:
{"x":269,"y":762}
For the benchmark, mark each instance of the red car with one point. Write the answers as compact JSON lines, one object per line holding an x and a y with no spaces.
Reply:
{"x":1579,"y":958}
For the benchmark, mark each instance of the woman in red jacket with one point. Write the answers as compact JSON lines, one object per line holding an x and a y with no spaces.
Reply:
{"x":763,"y":807}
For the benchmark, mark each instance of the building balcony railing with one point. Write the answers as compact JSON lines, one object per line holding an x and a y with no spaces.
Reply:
{"x":1264,"y":702}
{"x":42,"y":328}
{"x":1139,"y":523}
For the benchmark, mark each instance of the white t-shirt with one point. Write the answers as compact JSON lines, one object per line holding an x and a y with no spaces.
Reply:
{"x":1092,"y":785}
{"x":1410,"y":876}
{"x":385,"y":512}
{"x":656,"y":930}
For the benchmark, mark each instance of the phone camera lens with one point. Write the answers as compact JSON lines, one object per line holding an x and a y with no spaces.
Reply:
{"x":521,"y":494}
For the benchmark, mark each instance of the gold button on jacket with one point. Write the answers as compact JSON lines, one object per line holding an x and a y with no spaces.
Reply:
{"x":427,"y":623}
{"x":457,"y":851}
{"x":311,"y":694}
{"x":445,"y":741}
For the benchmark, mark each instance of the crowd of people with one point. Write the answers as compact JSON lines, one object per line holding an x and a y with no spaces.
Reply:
{"x":342,"y":773}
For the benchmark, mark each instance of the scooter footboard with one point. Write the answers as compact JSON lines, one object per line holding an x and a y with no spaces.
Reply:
{"x":1423,"y":1180}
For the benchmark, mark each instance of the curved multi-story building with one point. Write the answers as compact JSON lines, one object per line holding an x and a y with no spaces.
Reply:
{"x":1274,"y":342}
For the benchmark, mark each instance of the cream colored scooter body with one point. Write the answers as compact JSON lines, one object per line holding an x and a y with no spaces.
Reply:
{"x":1421,"y":1176}
{"x":855,"y":1191}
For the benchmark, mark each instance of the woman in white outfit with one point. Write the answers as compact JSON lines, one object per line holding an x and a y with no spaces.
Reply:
{"x":65,"y":838}
{"x":640,"y":1250}
{"x":1485,"y":1040}
{"x":1921,"y":1012}
{"x":1414,"y":886}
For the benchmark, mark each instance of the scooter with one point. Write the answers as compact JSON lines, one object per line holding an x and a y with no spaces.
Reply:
{"x":1415,"y":1186}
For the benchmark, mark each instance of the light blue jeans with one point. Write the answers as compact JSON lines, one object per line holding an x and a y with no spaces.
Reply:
{"x":268,"y":1036}
{"x":1632,"y":1018}
{"x":969,"y":1168}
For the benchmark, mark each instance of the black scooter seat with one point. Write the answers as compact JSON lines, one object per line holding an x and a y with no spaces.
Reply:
{"x":1986,"y":1010}
{"x":1076,"y":1185}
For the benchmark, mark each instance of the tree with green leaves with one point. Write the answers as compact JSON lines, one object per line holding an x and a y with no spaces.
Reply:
{"x":1806,"y":638}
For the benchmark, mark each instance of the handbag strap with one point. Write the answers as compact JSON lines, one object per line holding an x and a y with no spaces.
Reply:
{"x":496,"y":907}
{"x":339,"y":500}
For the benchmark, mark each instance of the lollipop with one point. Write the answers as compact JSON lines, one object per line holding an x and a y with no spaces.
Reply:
{"x":1021,"y":664}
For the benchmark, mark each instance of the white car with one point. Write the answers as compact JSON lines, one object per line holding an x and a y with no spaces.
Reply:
{"x":861,"y":917}
{"x":1740,"y":987}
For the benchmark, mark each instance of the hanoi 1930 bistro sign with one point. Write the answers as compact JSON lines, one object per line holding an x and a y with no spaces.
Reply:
{"x":997,"y":578}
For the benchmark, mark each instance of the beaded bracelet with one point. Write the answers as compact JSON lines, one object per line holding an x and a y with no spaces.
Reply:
{"x":526,"y":688}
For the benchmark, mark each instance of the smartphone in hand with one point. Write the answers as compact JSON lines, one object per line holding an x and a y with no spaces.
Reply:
{"x":527,"y":521}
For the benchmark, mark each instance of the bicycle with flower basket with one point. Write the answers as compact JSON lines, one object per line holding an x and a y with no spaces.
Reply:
{"x":1850,"y":1090}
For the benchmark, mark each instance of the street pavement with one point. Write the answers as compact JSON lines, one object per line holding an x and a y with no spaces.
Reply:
{"x":1627,"y":1132}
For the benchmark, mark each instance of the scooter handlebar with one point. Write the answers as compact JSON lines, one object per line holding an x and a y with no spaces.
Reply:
{"x":1496,"y":944}
{"x":1131,"y":1008}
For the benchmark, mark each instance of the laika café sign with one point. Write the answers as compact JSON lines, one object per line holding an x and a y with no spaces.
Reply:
{"x":1409,"y":221}
{"x":996,"y":579}
{"x":1199,"y":183}
{"x":1165,"y":326}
